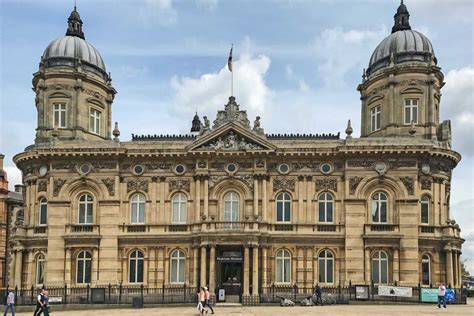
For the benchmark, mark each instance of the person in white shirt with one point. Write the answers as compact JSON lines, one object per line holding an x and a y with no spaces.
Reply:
{"x":441,"y":295}
{"x":10,"y":303}
{"x":39,"y":304}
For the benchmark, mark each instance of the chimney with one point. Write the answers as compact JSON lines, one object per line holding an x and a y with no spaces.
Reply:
{"x":19,"y":188}
{"x":1,"y":161}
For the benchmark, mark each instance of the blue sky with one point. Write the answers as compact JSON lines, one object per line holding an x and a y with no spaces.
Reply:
{"x":297,"y":64}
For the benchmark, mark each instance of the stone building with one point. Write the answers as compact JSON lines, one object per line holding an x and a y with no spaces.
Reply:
{"x":229,"y":205}
{"x":10,"y":202}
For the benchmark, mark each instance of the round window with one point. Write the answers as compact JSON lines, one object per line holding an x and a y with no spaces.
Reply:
{"x":179,"y":169}
{"x":85,"y":168}
{"x":283,"y":168}
{"x":326,"y":168}
{"x":232,"y":167}
{"x":380,"y":167}
{"x":138,"y":169}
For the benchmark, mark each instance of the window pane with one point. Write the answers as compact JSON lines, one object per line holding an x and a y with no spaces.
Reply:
{"x":407,"y":115}
{"x":329,"y":272}
{"x":384,"y":272}
{"x":329,"y":212}
{"x":174,"y":270}
{"x":425,"y":267}
{"x":383,"y":212}
{"x":82,"y":212}
{"x":279,"y":211}
{"x":286,"y":270}
{"x":287,"y":212}
{"x":131,"y":277}
{"x":43,"y":213}
{"x":321,"y":212}
{"x":322,"y":271}
{"x":375,"y":212}
{"x":88,"y":272}
{"x":141,"y":217}
{"x":181,"y":264}
{"x":375,"y":271}
{"x":377,"y":121}
{"x":424,"y":213}
{"x":140,"y":271}
{"x":89,"y":214}
{"x":80,"y":271}
{"x":415,"y":114}
{"x":279,"y":268}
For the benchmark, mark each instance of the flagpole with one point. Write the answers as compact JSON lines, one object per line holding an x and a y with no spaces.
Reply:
{"x":232,"y":76}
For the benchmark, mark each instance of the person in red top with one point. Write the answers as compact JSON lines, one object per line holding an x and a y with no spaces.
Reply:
{"x":207,"y":302}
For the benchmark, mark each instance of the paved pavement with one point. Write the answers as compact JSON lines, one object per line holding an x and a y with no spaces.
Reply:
{"x":335,"y":310}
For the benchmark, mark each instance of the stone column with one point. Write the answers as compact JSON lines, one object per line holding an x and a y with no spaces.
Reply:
{"x":212,"y":269}
{"x":197,"y":183}
{"x":449,"y":266}
{"x":459,"y":268}
{"x":396,"y":266}
{"x":264,"y":266}
{"x":67,"y":270}
{"x":368,"y":268}
{"x":206,"y":196}
{"x":95,"y":264}
{"x":18,"y":261}
{"x":255,"y":270}
{"x":309,"y":199}
{"x":30,"y":262}
{"x":203,"y":265}
{"x":166,"y":275}
{"x":255,"y":197}
{"x":455,"y":268}
{"x":195,"y":266}
{"x":264,"y":198}
{"x":298,"y":216}
{"x":246,"y":271}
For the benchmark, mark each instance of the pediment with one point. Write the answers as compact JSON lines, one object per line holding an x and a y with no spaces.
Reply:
{"x":231,"y":137}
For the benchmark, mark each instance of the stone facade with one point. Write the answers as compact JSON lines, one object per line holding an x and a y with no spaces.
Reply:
{"x":233,"y":207}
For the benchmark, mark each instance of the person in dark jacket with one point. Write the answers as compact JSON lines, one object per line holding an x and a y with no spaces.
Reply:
{"x":319,"y":295}
{"x":39,"y":310}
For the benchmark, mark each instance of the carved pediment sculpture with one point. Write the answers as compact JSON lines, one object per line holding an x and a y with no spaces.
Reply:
{"x":231,"y":142}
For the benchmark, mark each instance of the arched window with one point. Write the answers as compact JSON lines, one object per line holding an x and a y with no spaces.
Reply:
{"x":283,"y":207}
{"x":425,"y":270}
{"x":135,"y":267}
{"x":43,"y":212}
{"x":86,"y":205}
{"x":137,"y":209}
{"x":40,"y":269}
{"x":231,"y":209}
{"x":380,"y":267}
{"x":425,"y":209}
{"x":326,"y":207}
{"x":326,"y":267}
{"x":83,"y":267}
{"x":179,"y":208}
{"x":379,"y":207}
{"x":178,"y":264}
{"x":283,"y":266}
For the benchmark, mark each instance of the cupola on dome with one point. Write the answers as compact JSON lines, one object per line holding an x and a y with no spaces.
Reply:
{"x":403,"y":45}
{"x":71,"y":48}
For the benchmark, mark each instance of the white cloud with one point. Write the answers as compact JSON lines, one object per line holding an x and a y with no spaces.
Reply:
{"x":340,"y":51}
{"x":208,"y":4}
{"x":457,"y":104}
{"x":158,"y":12}
{"x":13,"y":176}
{"x":210,"y":91}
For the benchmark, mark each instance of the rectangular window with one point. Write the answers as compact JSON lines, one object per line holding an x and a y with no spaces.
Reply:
{"x":43,"y":214}
{"x":59,"y":111}
{"x":131,"y":273}
{"x":425,"y":267}
{"x":375,"y":116}
{"x":375,"y":271}
{"x":424,"y":213}
{"x":94,"y":121}
{"x":279,"y":212}
{"x":411,"y":111}
{"x":322,"y":271}
{"x":330,"y":278}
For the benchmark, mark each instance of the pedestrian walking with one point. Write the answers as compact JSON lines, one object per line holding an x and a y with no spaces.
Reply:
{"x":199,"y":304}
{"x":319,"y":295}
{"x":207,"y":301}
{"x":39,"y":298}
{"x":442,"y":295}
{"x":45,"y":303}
{"x":202,"y":299}
{"x":10,"y":304}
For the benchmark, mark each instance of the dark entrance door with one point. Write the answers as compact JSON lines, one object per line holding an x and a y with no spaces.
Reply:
{"x":229,"y":272}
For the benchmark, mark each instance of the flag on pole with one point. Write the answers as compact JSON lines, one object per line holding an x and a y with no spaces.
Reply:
{"x":229,"y":62}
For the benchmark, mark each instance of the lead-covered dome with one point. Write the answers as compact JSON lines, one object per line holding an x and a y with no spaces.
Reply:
{"x":71,"y":48}
{"x":403,"y":45}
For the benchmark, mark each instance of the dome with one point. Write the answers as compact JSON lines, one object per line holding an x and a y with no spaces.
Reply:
{"x":72,"y":47}
{"x":403,"y":45}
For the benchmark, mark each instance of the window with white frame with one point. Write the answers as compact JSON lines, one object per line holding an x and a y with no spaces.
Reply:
{"x":83,"y":267}
{"x":379,"y":208}
{"x":411,"y":111}
{"x":59,"y":114}
{"x":135,"y":267}
{"x":231,"y":209}
{"x":326,"y":267}
{"x":375,"y":116}
{"x":86,"y":205}
{"x":283,"y":266}
{"x":425,"y":209}
{"x":425,"y":270}
{"x":283,"y":207}
{"x":137,"y":209}
{"x":326,"y":207}
{"x":380,"y":267}
{"x":40,"y":260}
{"x":94,"y":121}
{"x":178,"y":264}
{"x":43,"y":212}
{"x":179,"y":202}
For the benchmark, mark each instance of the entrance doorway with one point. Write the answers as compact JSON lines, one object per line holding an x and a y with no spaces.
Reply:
{"x":229,"y":273}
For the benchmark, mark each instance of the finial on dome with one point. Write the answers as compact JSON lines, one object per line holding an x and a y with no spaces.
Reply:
{"x":196,"y":124}
{"x":349,"y":130}
{"x":74,"y":24}
{"x":116,"y":132}
{"x":401,"y":19}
